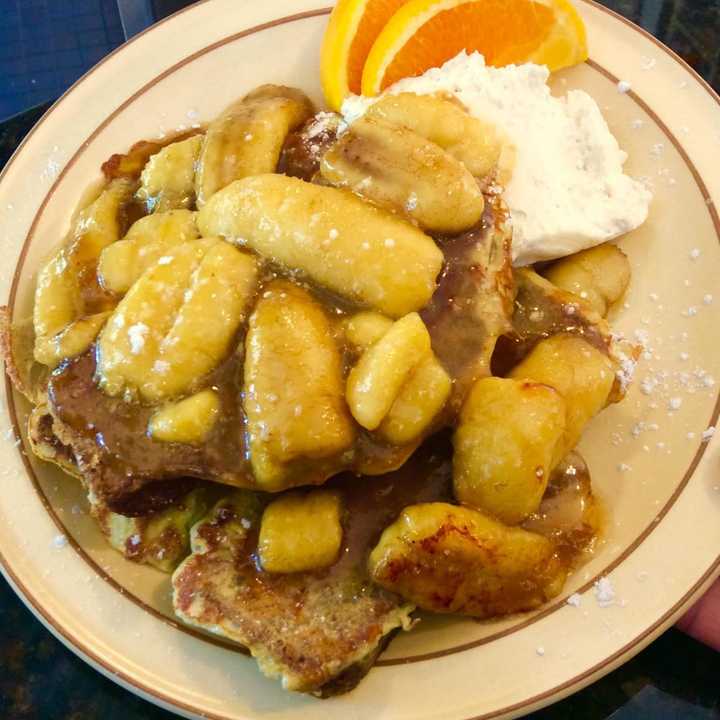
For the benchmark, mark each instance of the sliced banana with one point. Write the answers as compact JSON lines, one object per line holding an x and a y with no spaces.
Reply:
{"x":188,"y":421}
{"x":423,"y":394}
{"x":177,"y":322}
{"x":476,"y":144}
{"x":148,"y":239}
{"x":70,"y":342}
{"x":382,"y":370}
{"x":297,"y":421}
{"x":354,"y":249}
{"x":69,"y":278}
{"x":167,"y":181}
{"x":419,"y":402}
{"x":397,"y":168}
{"x":246,"y":139}
{"x":451,"y":559}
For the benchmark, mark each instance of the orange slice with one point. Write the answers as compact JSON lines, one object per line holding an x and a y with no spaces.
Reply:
{"x":353,"y":27}
{"x":425,"y":33}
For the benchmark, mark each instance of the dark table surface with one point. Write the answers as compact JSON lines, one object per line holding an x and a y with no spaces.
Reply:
{"x":44,"y":46}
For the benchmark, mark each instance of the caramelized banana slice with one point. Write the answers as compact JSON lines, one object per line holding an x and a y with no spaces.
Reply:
{"x":569,"y":514}
{"x":188,"y":421}
{"x":167,"y":181}
{"x":509,"y":440}
{"x":450,"y":559}
{"x":418,"y":403}
{"x":380,"y":373}
{"x":476,"y":144}
{"x":74,"y":340}
{"x":330,"y":235}
{"x":177,"y":321}
{"x":297,"y":420}
{"x":599,"y":275}
{"x":365,"y":328}
{"x":148,"y":239}
{"x":246,"y":139}
{"x":582,"y":374}
{"x":67,"y":286}
{"x":300,"y":532}
{"x":57,"y":303}
{"x":398,"y":169}
{"x":421,"y":397}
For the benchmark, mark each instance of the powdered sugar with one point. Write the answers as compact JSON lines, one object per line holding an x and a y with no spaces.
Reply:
{"x":604,"y":592}
{"x":136,"y":335}
{"x":575,"y":600}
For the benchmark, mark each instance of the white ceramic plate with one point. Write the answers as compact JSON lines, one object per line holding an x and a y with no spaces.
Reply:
{"x":649,"y":463}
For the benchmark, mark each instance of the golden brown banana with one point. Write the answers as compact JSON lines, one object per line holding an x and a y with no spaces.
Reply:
{"x":599,"y":275}
{"x":297,"y":418}
{"x":167,"y":181}
{"x":70,"y":342}
{"x":581,"y":373}
{"x":418,"y":403}
{"x":188,"y":421}
{"x":67,"y":288}
{"x":247,"y":137}
{"x":300,"y":532}
{"x":475,"y":143}
{"x":359,"y":251}
{"x":147,"y":240}
{"x":424,"y":392}
{"x":452,"y":559}
{"x":380,"y":373}
{"x":398,"y":169}
{"x":509,"y":439}
{"x":177,"y":322}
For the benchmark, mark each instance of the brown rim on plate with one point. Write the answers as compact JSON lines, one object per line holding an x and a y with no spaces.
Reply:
{"x":89,"y":654}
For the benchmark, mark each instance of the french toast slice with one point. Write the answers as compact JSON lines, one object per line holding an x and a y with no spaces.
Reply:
{"x":318,"y":631}
{"x":16,"y":350}
{"x":159,"y":537}
{"x":157,"y":534}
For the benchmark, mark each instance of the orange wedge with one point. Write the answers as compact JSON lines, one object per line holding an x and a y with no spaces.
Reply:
{"x":425,"y":33}
{"x":353,"y":27}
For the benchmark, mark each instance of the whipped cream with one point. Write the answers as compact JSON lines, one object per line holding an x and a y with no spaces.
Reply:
{"x":568,"y":190}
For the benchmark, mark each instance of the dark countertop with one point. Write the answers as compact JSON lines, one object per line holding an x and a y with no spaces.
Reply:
{"x":675,"y":678}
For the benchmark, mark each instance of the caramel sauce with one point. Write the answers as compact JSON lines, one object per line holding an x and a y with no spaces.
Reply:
{"x":369,"y":505}
{"x":569,"y":514}
{"x":372,"y":503}
{"x":473,"y":300}
{"x":303,"y":150}
{"x":115,"y":429}
{"x":130,"y":164}
{"x":114,"y":439}
{"x":538,"y":314}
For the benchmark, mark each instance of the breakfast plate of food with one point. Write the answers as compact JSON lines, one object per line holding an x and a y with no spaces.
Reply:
{"x":349,"y":347}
